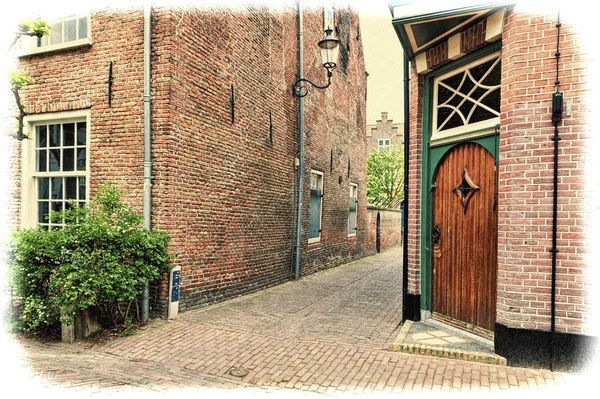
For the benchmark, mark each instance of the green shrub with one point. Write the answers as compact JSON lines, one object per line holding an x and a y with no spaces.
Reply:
{"x":101,"y":259}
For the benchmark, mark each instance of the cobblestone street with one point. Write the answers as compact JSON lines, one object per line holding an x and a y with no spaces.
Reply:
{"x":327,"y":334}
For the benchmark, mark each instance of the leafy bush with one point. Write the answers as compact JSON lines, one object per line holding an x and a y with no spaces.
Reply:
{"x":100,"y":259}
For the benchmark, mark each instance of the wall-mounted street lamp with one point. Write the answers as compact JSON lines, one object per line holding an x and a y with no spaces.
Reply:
{"x":330,"y":47}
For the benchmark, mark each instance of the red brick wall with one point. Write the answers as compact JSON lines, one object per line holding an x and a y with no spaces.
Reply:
{"x":526,"y":177}
{"x":414,"y":181}
{"x":77,"y":79}
{"x":390,"y":227}
{"x":222,"y":189}
{"x":335,"y":121}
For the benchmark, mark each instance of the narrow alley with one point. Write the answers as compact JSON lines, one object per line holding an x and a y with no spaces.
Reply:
{"x":327,"y":334}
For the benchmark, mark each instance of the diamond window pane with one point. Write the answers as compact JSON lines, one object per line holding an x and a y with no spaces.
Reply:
{"x":466,"y":87}
{"x":492,"y":100}
{"x":466,"y":108}
{"x":442,"y":115}
{"x":56,"y":184}
{"x":454,"y":81}
{"x":471,"y":95}
{"x":481,"y":114}
{"x":480,"y":70}
{"x":455,"y":121}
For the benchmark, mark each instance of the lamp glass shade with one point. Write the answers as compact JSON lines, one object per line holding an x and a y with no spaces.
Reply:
{"x":330,"y":48}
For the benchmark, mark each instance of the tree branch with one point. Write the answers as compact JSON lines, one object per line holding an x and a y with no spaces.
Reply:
{"x":22,"y":114}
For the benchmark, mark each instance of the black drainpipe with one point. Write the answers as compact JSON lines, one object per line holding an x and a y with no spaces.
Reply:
{"x":557,"y":108}
{"x":405,"y":221}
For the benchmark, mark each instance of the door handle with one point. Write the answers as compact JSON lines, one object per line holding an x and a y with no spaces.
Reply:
{"x":436,"y":233}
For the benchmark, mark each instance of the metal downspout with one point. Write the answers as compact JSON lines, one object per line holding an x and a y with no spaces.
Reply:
{"x":406,"y":164}
{"x":300,"y":144}
{"x":556,"y":118}
{"x":147,"y":201}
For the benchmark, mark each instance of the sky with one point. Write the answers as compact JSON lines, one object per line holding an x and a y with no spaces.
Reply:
{"x":383,"y":59}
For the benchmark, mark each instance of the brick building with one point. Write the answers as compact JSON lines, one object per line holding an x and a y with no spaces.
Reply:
{"x":483,"y":252}
{"x":384,"y":133}
{"x":224,"y":128}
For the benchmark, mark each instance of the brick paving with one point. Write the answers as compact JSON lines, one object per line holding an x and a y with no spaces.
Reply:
{"x":328,"y":334}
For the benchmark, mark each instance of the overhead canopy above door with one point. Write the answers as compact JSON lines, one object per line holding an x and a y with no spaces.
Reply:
{"x":422,"y":25}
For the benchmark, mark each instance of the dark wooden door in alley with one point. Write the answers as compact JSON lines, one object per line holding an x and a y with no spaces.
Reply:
{"x":464,"y":236}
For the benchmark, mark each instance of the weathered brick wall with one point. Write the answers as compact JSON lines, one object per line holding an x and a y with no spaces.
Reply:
{"x":223,"y":188}
{"x":390,"y":227}
{"x":335,"y":141}
{"x":76,"y":79}
{"x":526,"y":177}
{"x":236,"y":178}
{"x":415,"y":172}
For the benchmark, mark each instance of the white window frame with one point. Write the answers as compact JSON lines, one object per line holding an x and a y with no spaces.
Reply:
{"x":29,"y":174}
{"x":31,"y":44}
{"x":353,"y":190}
{"x":319,"y":173}
{"x":482,"y":127}
{"x":384,"y":144}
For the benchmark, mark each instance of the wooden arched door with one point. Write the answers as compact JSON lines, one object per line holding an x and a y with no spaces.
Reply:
{"x":464,"y":238}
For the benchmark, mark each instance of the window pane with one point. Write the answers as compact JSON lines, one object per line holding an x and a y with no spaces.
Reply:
{"x":69,"y":134}
{"x":43,"y":187}
{"x":83,"y":27}
{"x":70,"y":30}
{"x":55,"y":160}
{"x":81,"y":159}
{"x":54,"y":135}
{"x":314,"y":217}
{"x":56,"y":33}
{"x":41,"y":160}
{"x":57,"y":187}
{"x":57,"y":206}
{"x":42,"y":136}
{"x":81,"y":133}
{"x":82,"y":187}
{"x":68,"y":159}
{"x":43,"y":212}
{"x":71,"y":188}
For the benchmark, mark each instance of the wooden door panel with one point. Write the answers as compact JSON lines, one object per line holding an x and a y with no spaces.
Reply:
{"x":464,"y":259}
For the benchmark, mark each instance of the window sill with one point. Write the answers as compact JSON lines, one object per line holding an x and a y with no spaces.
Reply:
{"x":75,"y":44}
